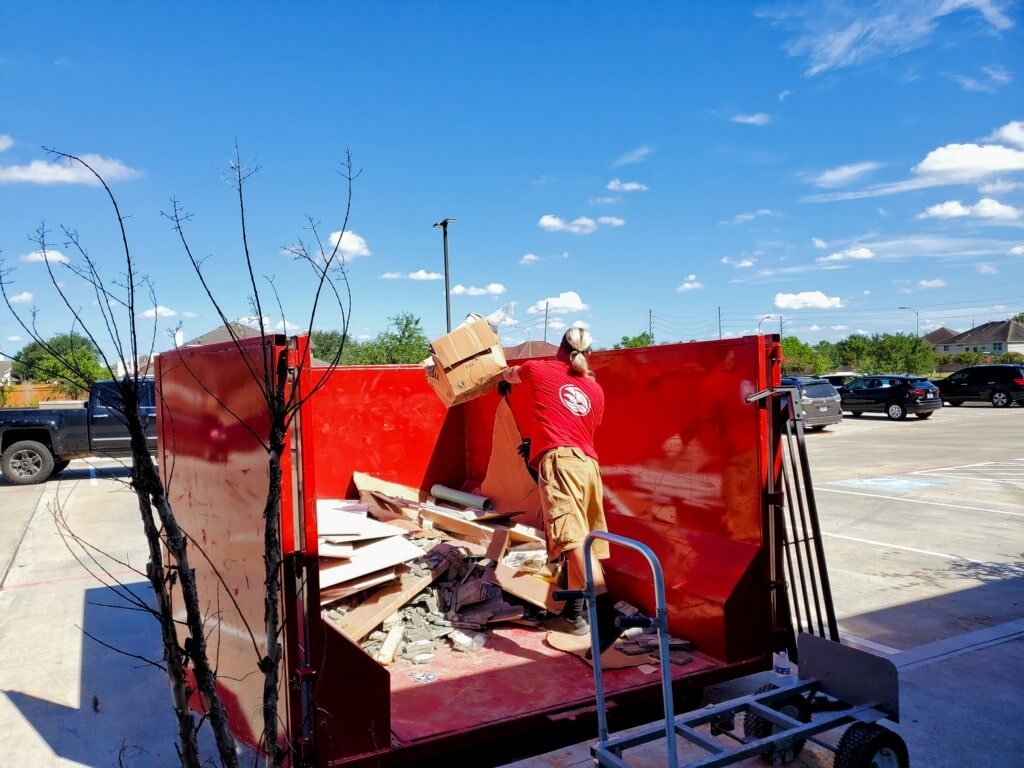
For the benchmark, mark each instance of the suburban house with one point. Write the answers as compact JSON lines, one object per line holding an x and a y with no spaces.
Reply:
{"x":993,"y":338}
{"x":5,"y":372}
{"x":530,"y":349}
{"x":938,"y":337}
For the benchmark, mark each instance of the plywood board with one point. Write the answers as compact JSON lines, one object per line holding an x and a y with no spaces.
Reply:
{"x":464,"y":529}
{"x":368,"y":558}
{"x":507,"y":483}
{"x":355,"y":586}
{"x":365,"y":482}
{"x":352,"y":527}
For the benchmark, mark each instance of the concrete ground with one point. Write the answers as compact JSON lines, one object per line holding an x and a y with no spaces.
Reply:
{"x":924,"y":529}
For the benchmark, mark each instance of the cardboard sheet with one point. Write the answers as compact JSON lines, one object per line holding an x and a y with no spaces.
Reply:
{"x":610,"y":659}
{"x":507,"y":483}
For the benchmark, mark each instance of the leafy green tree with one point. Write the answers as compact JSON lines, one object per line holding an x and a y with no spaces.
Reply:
{"x":800,"y":357}
{"x":856,"y":354}
{"x":644,"y":339}
{"x":69,"y":360}
{"x":968,"y":358}
{"x":325,"y":344}
{"x":902,"y":353}
{"x":1009,"y":357}
{"x":1019,"y":318}
{"x":827,"y":350}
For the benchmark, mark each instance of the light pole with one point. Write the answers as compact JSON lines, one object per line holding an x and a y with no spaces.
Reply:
{"x":917,"y":316}
{"x":443,"y":224}
{"x":761,"y":321}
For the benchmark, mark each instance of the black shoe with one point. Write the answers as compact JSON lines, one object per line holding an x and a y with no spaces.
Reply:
{"x":571,"y":620}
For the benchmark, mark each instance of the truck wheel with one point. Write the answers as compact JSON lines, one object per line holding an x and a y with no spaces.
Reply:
{"x":755,"y":727}
{"x":869,"y":745}
{"x":26,"y":462}
{"x":60,"y":466}
{"x":1000,"y":398}
{"x":895,"y":411}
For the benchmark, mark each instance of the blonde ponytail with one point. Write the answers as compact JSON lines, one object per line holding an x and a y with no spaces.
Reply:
{"x":576,"y":342}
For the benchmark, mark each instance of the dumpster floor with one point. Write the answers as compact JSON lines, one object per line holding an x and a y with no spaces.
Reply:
{"x":515,"y":674}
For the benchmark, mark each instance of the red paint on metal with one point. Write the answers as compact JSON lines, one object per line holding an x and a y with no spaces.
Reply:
{"x":684,"y":459}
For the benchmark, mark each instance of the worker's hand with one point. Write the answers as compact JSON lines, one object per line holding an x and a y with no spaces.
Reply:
{"x":504,"y":388}
{"x":524,"y":449}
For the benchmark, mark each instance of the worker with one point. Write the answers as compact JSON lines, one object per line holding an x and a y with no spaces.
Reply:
{"x":568,"y":405}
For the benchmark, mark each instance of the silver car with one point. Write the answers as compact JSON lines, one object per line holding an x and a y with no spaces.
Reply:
{"x":819,"y":401}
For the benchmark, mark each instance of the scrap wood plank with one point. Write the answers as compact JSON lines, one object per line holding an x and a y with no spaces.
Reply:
{"x":373,"y":556}
{"x":480,"y":534}
{"x":387,"y":649}
{"x":366,"y":617}
{"x":365,"y":482}
{"x":349,"y":588}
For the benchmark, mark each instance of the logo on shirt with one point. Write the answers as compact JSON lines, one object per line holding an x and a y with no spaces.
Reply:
{"x":575,"y":399}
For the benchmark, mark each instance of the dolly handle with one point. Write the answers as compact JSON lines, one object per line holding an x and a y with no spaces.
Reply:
{"x":569,"y":594}
{"x":625,"y":622}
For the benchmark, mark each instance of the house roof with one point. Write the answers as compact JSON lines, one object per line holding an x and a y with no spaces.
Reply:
{"x":5,"y":368}
{"x":530,"y":349}
{"x":222,"y":333}
{"x":1007,"y":331}
{"x":940,"y":335}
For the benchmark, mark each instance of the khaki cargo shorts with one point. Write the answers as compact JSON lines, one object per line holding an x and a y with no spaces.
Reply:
{"x":572,"y":498}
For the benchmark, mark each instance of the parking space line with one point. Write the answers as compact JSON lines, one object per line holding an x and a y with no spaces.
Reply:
{"x":887,"y":545}
{"x":951,"y":647}
{"x":969,"y":477}
{"x":92,"y":476}
{"x":918,"y":501}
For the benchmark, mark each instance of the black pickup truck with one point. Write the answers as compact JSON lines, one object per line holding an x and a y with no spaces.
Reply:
{"x":36,"y":443}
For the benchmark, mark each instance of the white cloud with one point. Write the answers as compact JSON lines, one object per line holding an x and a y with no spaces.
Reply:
{"x":38,"y":257}
{"x":850,"y":254}
{"x":783,"y":95}
{"x":986,"y":269}
{"x":814,"y":327}
{"x":743,"y":263}
{"x":626,"y":186}
{"x":254,"y":322}
{"x":1017,"y":250}
{"x":393,"y":276}
{"x":634,"y":156}
{"x":189,"y":315}
{"x":818,"y":243}
{"x":867,"y":293}
{"x":363,"y":337}
{"x":842,"y":175}
{"x":564,"y":303}
{"x":287,"y":326}
{"x":807,"y":299}
{"x":740,"y":218}
{"x":21,"y":298}
{"x":556,"y":324}
{"x":690,"y":284}
{"x":14,"y":338}
{"x":581,"y":324}
{"x":839,"y":327}
{"x":848,"y":35}
{"x":986,"y":208}
{"x":999,"y":187}
{"x":159,"y":311}
{"x":503,"y":315}
{"x":1011,"y":133}
{"x":611,"y":221}
{"x":936,"y":283}
{"x":60,"y":172}
{"x":580,"y":226}
{"x":606,"y":200}
{"x":422,"y":274}
{"x":6,"y":142}
{"x":351,"y":246}
{"x":528,"y":259}
{"x":491,"y":289}
{"x":991,"y":79}
{"x":758,"y":118}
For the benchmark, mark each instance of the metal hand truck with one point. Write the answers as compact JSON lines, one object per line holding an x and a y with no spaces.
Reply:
{"x":837,"y":685}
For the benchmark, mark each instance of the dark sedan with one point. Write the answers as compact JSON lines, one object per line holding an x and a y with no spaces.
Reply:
{"x":891,"y":394}
{"x":999,"y":384}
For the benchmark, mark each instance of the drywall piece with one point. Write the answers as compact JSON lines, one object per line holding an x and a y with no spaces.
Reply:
{"x":578,"y":646}
{"x":327,"y":548}
{"x":370,"y":557}
{"x":349,"y":526}
{"x":507,"y":483}
{"x":525,"y":534}
{"x":342,"y":505}
{"x":365,"y":482}
{"x":355,"y":586}
{"x":472,"y":500}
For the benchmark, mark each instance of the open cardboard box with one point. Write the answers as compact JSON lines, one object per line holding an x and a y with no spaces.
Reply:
{"x":465,"y":363}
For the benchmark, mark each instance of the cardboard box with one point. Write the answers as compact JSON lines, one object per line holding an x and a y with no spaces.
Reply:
{"x":465,"y":363}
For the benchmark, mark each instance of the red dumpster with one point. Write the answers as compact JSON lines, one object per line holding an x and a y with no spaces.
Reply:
{"x":685,"y":462}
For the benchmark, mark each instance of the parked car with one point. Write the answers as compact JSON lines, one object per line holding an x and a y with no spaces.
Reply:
{"x":1000,"y":384}
{"x":819,"y":400}
{"x":839,"y":378}
{"x":891,"y":394}
{"x":39,"y":442}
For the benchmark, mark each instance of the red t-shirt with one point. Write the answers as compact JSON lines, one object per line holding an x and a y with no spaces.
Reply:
{"x":567,"y":409}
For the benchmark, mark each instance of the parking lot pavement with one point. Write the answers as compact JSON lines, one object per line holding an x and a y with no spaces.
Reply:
{"x":923,"y":523}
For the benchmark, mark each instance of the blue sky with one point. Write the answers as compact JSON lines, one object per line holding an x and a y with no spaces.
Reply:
{"x":827,"y":163}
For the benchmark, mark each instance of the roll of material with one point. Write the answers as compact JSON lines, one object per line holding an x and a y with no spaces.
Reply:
{"x":444,"y":493}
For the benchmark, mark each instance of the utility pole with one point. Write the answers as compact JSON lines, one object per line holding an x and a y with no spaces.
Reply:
{"x":443,"y":224}
{"x":546,"y":304}
{"x":650,"y":324}
{"x":719,"y":323}
{"x":780,"y":326}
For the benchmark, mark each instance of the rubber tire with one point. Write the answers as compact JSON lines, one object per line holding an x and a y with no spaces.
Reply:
{"x":862,"y":742}
{"x":857,"y":414}
{"x":818,"y":428}
{"x":1000,"y":398}
{"x":899,"y":409}
{"x":60,"y":466}
{"x":755,"y":727}
{"x":926,"y":415}
{"x":42,"y":455}
{"x":956,"y":403}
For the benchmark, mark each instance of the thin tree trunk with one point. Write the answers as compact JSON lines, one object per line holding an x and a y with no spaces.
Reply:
{"x":271,"y":663}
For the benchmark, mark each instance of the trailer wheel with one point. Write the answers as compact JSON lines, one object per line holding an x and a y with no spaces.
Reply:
{"x":26,"y":462}
{"x":869,"y":745}
{"x":755,"y":727}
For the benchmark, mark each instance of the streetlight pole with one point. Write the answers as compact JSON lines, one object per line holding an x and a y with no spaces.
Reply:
{"x":761,"y":321}
{"x":917,"y":316}
{"x":443,"y":224}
